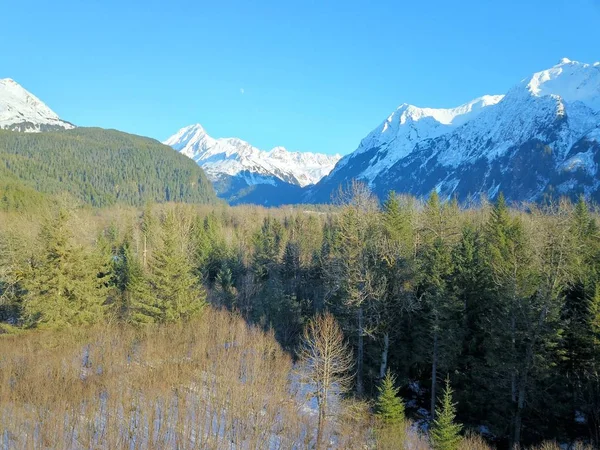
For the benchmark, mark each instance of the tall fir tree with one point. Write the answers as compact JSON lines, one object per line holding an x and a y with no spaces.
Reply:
{"x":390,"y":429}
{"x":225,"y":288}
{"x":441,"y":329}
{"x":445,"y":432}
{"x":136,"y":303}
{"x":66,"y":287}
{"x":179,"y":292}
{"x":389,"y":407}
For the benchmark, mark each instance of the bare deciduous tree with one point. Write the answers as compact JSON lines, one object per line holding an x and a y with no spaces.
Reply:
{"x":326,"y":363}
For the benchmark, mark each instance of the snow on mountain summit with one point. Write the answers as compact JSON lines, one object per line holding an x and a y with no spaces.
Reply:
{"x":22,"y":111}
{"x":448,"y":116}
{"x":540,"y":139}
{"x":408,"y":124}
{"x":572,"y":81}
{"x":235,"y":157}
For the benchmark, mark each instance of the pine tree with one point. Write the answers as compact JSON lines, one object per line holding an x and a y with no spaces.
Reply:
{"x":389,"y":406}
{"x":445,"y":433}
{"x":178,"y":291}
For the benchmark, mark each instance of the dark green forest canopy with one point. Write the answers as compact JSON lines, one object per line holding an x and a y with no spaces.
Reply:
{"x":99,"y":167}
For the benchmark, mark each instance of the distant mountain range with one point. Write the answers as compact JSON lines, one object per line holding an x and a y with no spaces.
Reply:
{"x":540,"y":140}
{"x":242,"y":173}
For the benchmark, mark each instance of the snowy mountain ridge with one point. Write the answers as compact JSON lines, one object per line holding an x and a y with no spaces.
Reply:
{"x":536,"y":140}
{"x":237,"y":158}
{"x":22,"y":111}
{"x":410,"y":124}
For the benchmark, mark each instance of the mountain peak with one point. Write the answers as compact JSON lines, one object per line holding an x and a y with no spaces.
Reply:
{"x":528,"y":143}
{"x":572,"y":81}
{"x":235,"y":157}
{"x":197,"y":128}
{"x":20,"y":110}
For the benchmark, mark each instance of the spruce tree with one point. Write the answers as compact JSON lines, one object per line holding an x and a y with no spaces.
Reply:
{"x":65,"y":287}
{"x":390,"y":426}
{"x":441,"y":308}
{"x":267,"y":248}
{"x":179,"y":292}
{"x":225,"y":288}
{"x":445,"y":432}
{"x":389,"y":407}
{"x":137,"y":303}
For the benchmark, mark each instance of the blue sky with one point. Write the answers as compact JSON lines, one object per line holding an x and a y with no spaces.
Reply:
{"x":312,"y":75}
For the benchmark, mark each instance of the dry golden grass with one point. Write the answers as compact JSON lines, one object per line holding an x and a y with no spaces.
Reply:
{"x":214,"y":383}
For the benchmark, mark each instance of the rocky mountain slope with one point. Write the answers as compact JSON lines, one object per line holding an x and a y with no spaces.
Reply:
{"x":540,"y":140}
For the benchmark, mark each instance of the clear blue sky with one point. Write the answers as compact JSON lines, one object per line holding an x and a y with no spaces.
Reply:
{"x":316,"y":74}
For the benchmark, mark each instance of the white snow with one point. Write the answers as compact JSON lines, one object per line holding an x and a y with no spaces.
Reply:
{"x":569,"y":89}
{"x":567,"y":94}
{"x":397,"y":136}
{"x":572,"y":81}
{"x":233,"y":156}
{"x":20,"y":107}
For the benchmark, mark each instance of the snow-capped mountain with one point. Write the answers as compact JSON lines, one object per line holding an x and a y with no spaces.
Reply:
{"x":22,"y":111}
{"x":540,"y":139}
{"x":234,"y":165}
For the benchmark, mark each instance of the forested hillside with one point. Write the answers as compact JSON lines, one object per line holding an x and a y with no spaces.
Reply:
{"x":494,"y":309}
{"x":99,"y":167}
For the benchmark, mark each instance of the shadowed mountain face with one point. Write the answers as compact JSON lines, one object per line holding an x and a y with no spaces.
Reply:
{"x":540,"y":139}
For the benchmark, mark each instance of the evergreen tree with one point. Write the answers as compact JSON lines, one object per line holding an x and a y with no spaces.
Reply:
{"x":136,"y":302}
{"x":389,"y":407}
{"x":391,"y":419}
{"x":397,"y":220}
{"x":267,"y":248}
{"x":511,"y":263}
{"x":441,"y":327}
{"x":351,"y":270}
{"x":65,"y":287}
{"x":179,"y":292}
{"x":225,"y":287}
{"x":473,"y":287}
{"x":445,"y":432}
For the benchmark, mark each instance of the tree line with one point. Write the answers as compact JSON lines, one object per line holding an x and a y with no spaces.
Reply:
{"x":500,"y":302}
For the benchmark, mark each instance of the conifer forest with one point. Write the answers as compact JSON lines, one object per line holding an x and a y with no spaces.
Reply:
{"x":361,"y":324}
